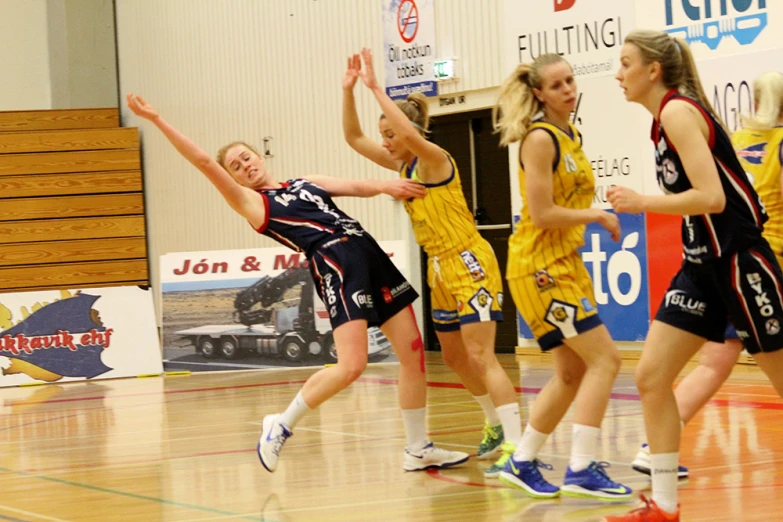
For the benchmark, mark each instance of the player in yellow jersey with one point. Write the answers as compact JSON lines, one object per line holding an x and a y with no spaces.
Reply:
{"x":463,"y":273}
{"x":549,"y":282}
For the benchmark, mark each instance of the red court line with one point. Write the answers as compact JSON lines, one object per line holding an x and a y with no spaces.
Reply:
{"x":168,"y":392}
{"x":379,"y":380}
{"x":460,"y":386}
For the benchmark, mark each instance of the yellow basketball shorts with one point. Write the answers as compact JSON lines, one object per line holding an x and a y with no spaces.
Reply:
{"x":465,"y":287}
{"x":557,"y":302}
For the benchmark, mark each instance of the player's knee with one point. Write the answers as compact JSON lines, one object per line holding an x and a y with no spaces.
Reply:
{"x":352,"y":369}
{"x":570,"y":377}
{"x":452,"y":358}
{"x":649,"y":380}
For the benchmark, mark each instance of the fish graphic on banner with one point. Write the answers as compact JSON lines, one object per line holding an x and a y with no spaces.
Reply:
{"x":63,"y":339}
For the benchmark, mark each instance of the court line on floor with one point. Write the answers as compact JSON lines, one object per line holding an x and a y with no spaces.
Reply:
{"x":29,"y":514}
{"x":382,"y":380}
{"x":11,"y":519}
{"x":128,"y":494}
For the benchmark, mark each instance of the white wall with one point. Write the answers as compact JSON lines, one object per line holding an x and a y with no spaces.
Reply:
{"x":57,"y":54}
{"x":24,"y":56}
{"x":244,"y":69}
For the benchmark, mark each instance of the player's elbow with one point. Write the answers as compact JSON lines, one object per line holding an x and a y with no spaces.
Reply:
{"x":539,"y":218}
{"x":716,"y":203}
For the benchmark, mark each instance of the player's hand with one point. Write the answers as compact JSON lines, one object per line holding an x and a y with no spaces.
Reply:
{"x":368,"y":74}
{"x":352,"y":72}
{"x":141,"y":107}
{"x":404,"y":189}
{"x":611,"y":223}
{"x":624,"y":199}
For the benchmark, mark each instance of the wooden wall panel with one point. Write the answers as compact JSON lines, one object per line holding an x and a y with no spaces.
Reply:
{"x":71,"y":228}
{"x":71,"y":201}
{"x":17,"y":254}
{"x":68,"y":140}
{"x":79,"y":161}
{"x":16,"y":121}
{"x":71,"y":206}
{"x":71,"y":183}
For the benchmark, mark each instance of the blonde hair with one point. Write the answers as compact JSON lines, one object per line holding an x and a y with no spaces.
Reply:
{"x":221,"y":154}
{"x":678,"y":68}
{"x":416,"y":108}
{"x":517,"y":103}
{"x":768,"y":93}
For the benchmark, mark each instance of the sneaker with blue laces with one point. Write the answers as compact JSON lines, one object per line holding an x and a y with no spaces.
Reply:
{"x":273,"y":436}
{"x":642,"y":464}
{"x":525,"y":475}
{"x":508,"y":449}
{"x":593,"y":482}
{"x":490,"y":443}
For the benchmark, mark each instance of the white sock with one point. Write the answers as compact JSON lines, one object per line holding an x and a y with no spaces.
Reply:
{"x":512,"y":424}
{"x":664,"y":480}
{"x":415,"y":422}
{"x":530,"y":444}
{"x":485,"y":401}
{"x":294,"y":413}
{"x":583,"y":445}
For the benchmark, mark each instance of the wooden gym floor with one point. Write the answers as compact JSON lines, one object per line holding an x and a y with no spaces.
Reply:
{"x":183,"y":449}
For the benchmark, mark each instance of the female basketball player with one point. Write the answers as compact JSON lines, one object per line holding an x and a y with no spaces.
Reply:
{"x":759,"y":147}
{"x":729,"y":271}
{"x":344,"y":261}
{"x":463,"y":273}
{"x":549,"y":282}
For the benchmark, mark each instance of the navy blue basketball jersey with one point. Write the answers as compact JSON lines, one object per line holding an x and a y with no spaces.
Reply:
{"x":302,"y":216}
{"x":710,"y":236}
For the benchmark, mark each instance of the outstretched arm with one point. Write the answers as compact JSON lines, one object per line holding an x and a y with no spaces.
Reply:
{"x":427,"y":152}
{"x":243,"y":200}
{"x":352,"y":129}
{"x":367,"y":188}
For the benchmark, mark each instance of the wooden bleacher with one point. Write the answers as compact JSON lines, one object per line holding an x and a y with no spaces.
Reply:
{"x":71,"y":201}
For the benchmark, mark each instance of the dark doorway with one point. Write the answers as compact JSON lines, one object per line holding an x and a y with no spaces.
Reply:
{"x":483,"y":169}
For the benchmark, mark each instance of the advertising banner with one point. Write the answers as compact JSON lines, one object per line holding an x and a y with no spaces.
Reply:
{"x":245,"y":309}
{"x":409,"y":47}
{"x":77,"y":334}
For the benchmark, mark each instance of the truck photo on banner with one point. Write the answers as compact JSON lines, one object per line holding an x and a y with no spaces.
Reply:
{"x":409,"y":47}
{"x":246,"y":309}
{"x":77,"y":334}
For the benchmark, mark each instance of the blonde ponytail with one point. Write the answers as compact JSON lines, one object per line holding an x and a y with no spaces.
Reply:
{"x":517,"y":104}
{"x":768,"y":93}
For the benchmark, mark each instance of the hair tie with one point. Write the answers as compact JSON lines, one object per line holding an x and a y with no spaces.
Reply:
{"x":417,"y":125}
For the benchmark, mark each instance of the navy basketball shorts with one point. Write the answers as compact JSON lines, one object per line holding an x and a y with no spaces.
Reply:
{"x":745,"y":288}
{"x":357,"y":280}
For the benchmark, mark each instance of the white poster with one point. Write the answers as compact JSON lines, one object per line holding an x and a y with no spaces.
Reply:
{"x":615,"y":136}
{"x":728,"y":82}
{"x":587,"y":33}
{"x":716,"y":27}
{"x":256,"y":308}
{"x":76,"y":335}
{"x":409,"y":47}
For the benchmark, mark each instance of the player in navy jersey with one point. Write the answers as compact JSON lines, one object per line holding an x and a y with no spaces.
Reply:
{"x":358,"y":283}
{"x":729,"y":271}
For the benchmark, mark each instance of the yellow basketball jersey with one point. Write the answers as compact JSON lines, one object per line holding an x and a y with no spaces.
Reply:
{"x":441,"y":220}
{"x":531,"y":248}
{"x":759,"y":153}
